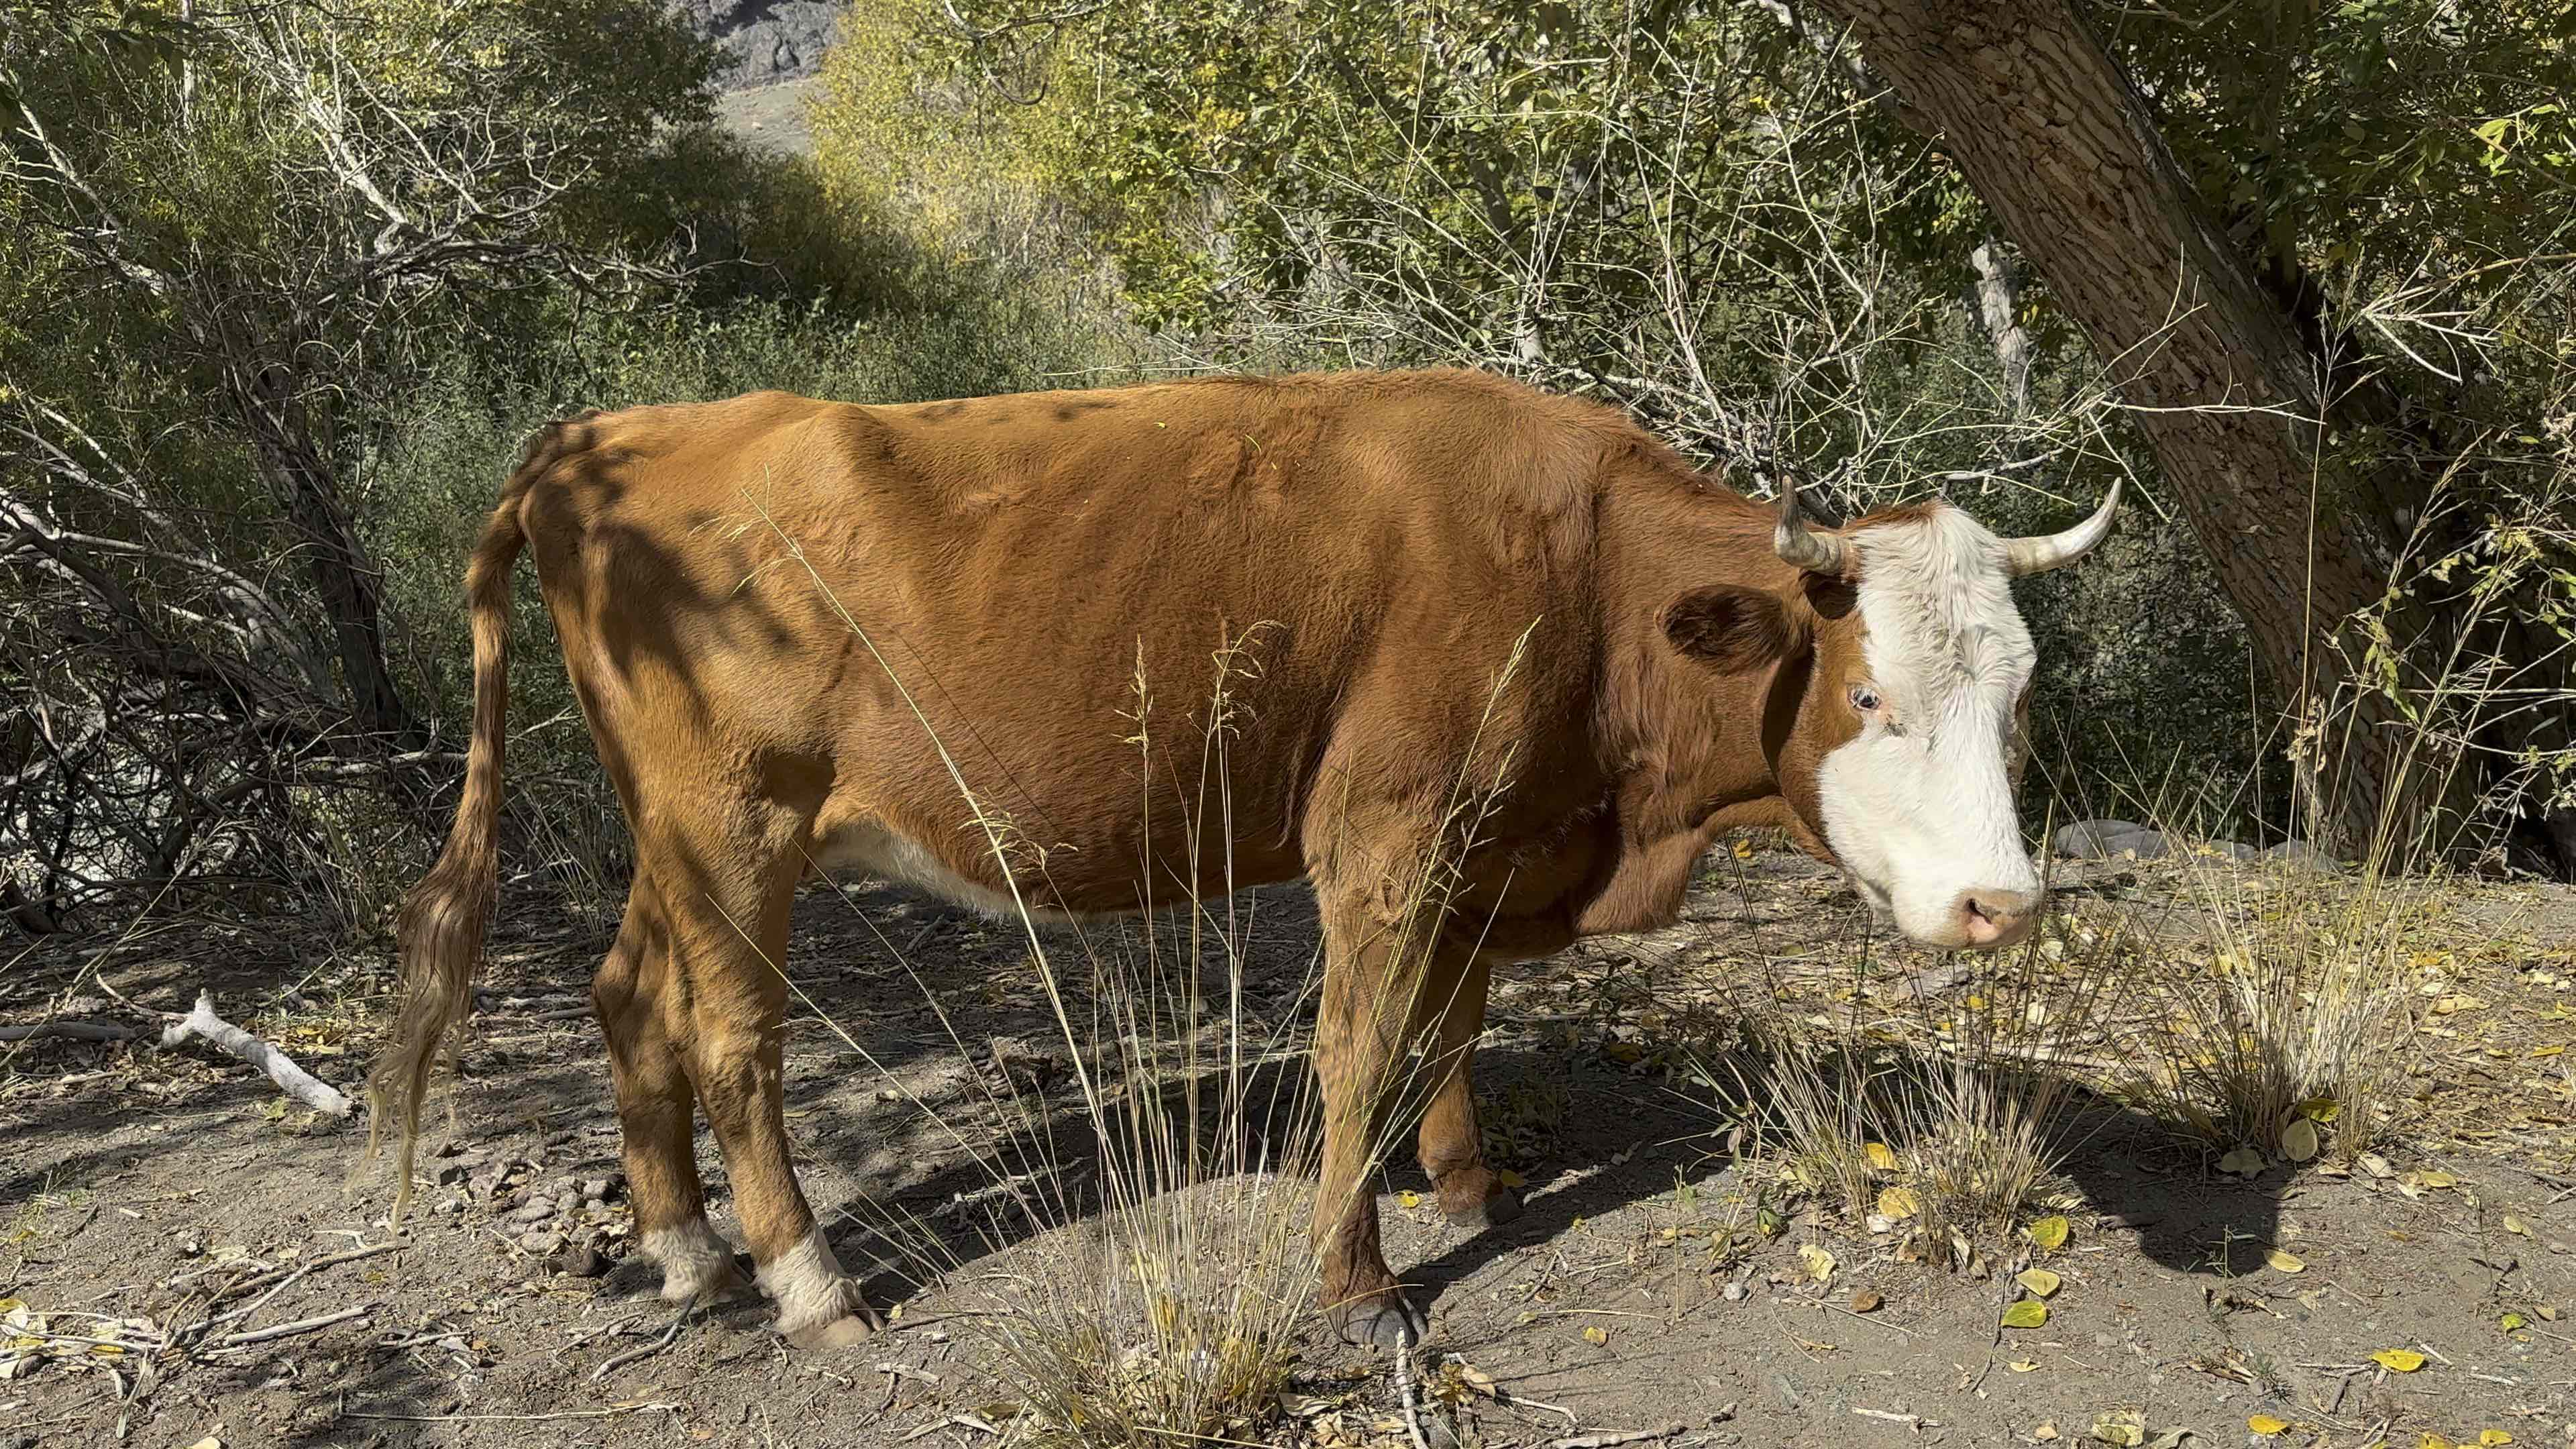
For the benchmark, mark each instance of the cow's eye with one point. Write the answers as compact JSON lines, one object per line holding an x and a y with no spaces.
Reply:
{"x":1864,"y":699}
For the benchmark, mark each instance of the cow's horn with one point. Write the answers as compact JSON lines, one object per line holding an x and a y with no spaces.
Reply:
{"x":2056,"y":550}
{"x":1819,"y":553}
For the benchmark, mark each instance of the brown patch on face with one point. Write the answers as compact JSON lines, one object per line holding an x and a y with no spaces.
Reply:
{"x":1809,"y":714}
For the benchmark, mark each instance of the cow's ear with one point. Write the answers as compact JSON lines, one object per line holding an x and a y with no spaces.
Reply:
{"x":1731,"y":627}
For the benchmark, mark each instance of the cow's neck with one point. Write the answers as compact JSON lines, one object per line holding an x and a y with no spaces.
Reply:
{"x":1680,"y":741}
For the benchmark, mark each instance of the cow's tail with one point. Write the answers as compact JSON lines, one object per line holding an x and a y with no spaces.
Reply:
{"x":439,"y":935}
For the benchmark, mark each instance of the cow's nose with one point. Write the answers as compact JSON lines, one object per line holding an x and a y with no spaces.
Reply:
{"x":1995,"y":918}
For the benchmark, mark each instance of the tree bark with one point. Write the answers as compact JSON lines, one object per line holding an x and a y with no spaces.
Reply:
{"x":2055,"y":138}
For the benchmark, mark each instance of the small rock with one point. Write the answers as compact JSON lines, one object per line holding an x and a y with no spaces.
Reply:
{"x":541,"y":1244}
{"x":595,"y":1190}
{"x":1733,"y":1292}
{"x":582,"y":1262}
{"x":2109,"y":840}
{"x":2301,"y":852}
{"x":1785,"y":1389}
{"x":448,"y":1207}
{"x":534,"y":1210}
{"x":1866,"y":1301}
{"x":450,"y":1173}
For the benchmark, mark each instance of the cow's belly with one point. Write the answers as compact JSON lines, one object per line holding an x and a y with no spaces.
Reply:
{"x":869,"y":847}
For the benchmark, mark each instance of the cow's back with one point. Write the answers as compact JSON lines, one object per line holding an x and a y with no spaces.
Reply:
{"x":1058,"y":586}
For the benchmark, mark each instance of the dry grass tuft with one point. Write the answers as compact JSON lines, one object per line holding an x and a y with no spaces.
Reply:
{"x":1941,"y":1116}
{"x":2287,"y":1034}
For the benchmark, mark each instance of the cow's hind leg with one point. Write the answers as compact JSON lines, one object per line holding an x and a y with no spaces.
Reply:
{"x":1450,"y":1019}
{"x":634,"y":997}
{"x":729,"y":947}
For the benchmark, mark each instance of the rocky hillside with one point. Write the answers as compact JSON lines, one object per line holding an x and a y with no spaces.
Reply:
{"x":777,"y":40}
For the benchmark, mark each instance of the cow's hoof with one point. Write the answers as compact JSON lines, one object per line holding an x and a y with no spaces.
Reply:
{"x":1492,"y":1210}
{"x":845,"y":1332}
{"x":1383,"y":1318}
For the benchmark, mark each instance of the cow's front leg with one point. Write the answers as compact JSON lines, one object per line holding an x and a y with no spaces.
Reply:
{"x":1373,"y":970}
{"x":1450,"y":1146}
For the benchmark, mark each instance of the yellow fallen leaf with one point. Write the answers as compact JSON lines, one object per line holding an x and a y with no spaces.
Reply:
{"x":2432,"y":1440}
{"x":1408,"y":1199}
{"x":1819,"y":1262}
{"x":1509,"y":1178}
{"x":2516,"y":1225}
{"x":2494,"y":1436}
{"x":2510,"y":1322}
{"x":2243,"y":1161}
{"x":1898,"y":1202}
{"x":1595,"y":1336}
{"x":2299,"y":1140}
{"x":2398,"y":1360}
{"x":2046,"y":1431}
{"x":2022,"y":1366}
{"x":2049,"y":1233}
{"x":2028,"y":1313}
{"x":2266,"y":1424}
{"x":1743,"y":848}
{"x":2282,"y":1262}
{"x":2551,"y":1050}
{"x":2448,"y":1005}
{"x":2320,"y":1109}
{"x":2122,"y":1432}
{"x":2039,"y":1281}
{"x":1880,"y":1155}
{"x":209,"y":1442}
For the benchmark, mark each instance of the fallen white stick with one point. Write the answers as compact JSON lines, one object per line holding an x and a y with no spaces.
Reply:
{"x":293,"y":1080}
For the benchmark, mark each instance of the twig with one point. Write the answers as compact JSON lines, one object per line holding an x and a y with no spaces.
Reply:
{"x":293,"y":1080}
{"x":1404,"y":1386}
{"x":68,"y":1031}
{"x":669,"y":1336}
{"x":1612,"y":1437}
{"x":294,"y":1277}
{"x":287,"y":1330}
{"x":1865,"y":1318}
{"x":612,"y":1411}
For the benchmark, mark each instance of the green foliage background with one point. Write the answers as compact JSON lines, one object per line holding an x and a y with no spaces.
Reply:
{"x":1694,"y":209}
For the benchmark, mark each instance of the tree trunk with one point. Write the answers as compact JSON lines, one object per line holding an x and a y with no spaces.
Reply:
{"x":2052,"y":135}
{"x":344,"y":578}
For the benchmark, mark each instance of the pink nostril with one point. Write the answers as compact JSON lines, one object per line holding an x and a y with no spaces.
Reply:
{"x":1993,"y":920}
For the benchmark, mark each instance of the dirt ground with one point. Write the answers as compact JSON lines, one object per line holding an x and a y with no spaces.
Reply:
{"x":145,"y":1192}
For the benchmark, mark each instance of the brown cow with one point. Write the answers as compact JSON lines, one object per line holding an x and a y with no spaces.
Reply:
{"x":1515,"y":664}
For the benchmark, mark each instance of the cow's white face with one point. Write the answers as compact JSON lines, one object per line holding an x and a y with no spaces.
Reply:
{"x":1918,"y":804}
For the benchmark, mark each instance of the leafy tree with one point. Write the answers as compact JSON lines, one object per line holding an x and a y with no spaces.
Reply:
{"x":1989,"y":252}
{"x":230,"y":244}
